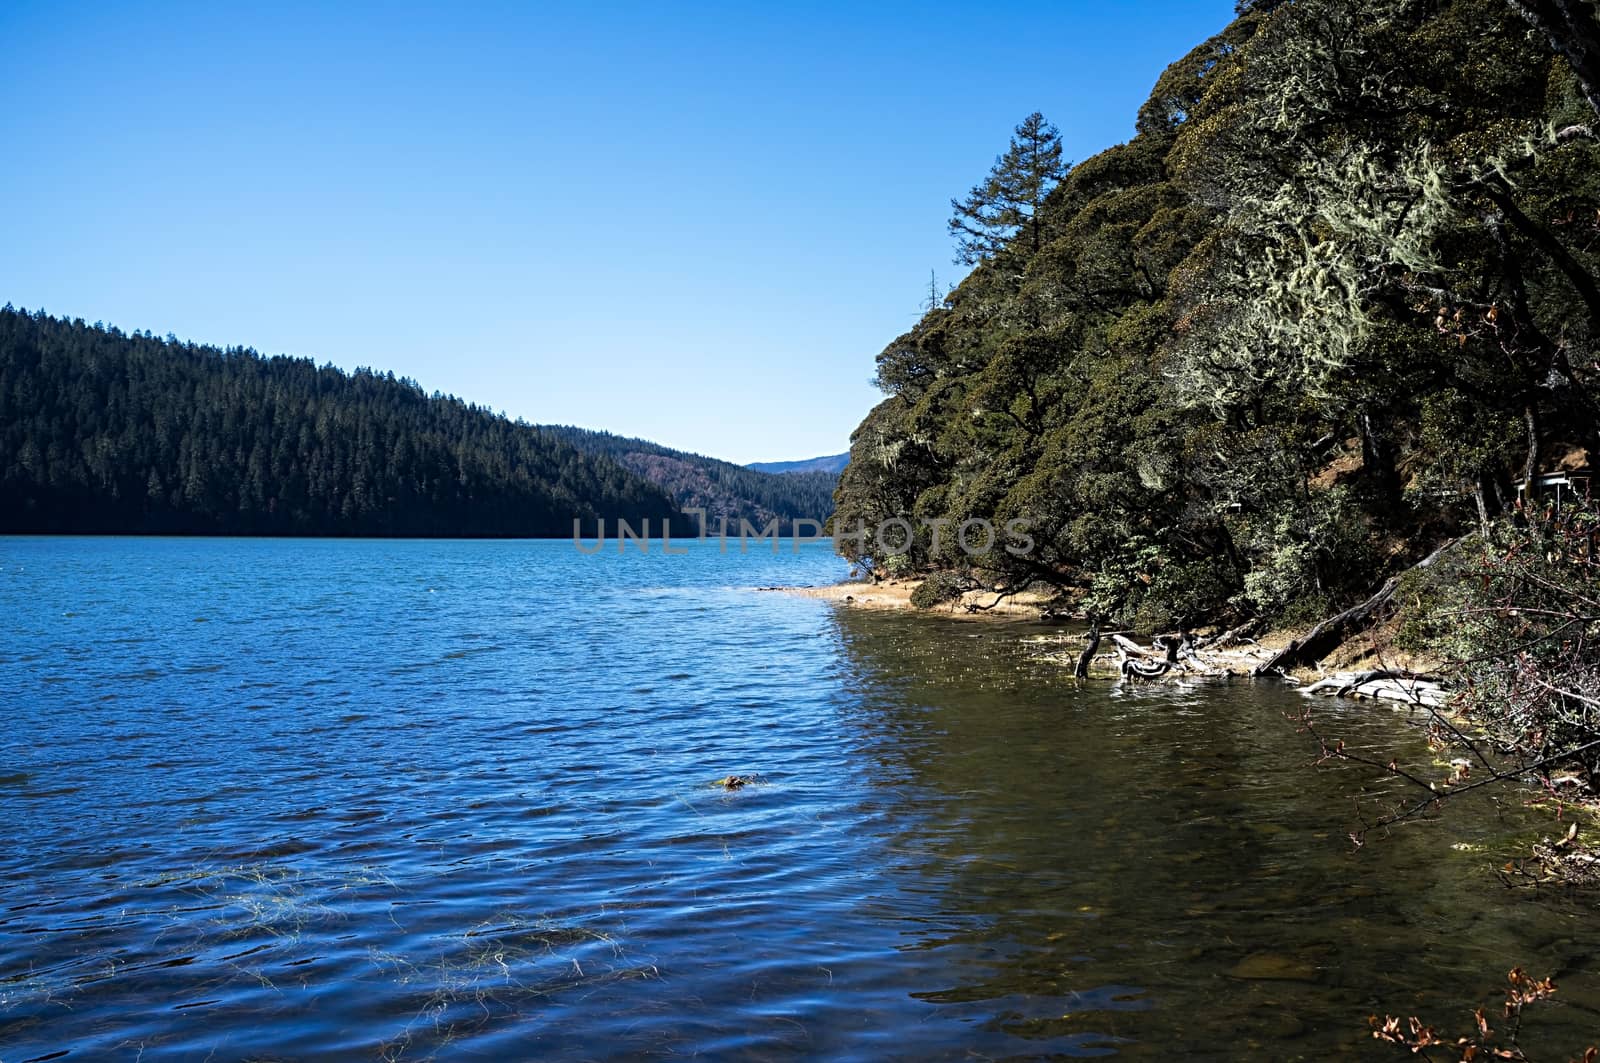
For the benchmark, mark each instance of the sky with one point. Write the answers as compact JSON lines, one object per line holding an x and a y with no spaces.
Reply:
{"x":693,"y":223}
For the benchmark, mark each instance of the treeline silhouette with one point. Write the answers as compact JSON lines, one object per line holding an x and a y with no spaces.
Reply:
{"x":103,"y":431}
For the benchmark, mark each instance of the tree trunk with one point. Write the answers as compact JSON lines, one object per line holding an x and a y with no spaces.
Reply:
{"x":1377,"y":460}
{"x":1331,"y":633}
{"x":1483,"y":506}
{"x":1530,"y":468}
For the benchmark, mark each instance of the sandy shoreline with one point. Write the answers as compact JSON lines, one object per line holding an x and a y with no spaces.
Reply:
{"x":896,"y":594}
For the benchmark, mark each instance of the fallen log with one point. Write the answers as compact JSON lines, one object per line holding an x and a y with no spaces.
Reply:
{"x":1432,"y":697}
{"x":1400,"y":675}
{"x":1332,"y":632}
{"x":1384,"y":684}
{"x":1130,"y":647}
{"x":1241,"y":633}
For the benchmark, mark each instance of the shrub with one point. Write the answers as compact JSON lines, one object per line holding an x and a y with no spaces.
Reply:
{"x":938,"y":588}
{"x":1525,"y":640}
{"x":898,"y":566}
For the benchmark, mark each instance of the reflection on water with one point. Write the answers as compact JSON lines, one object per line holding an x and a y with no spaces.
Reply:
{"x":1136,"y":869}
{"x":457,"y":800}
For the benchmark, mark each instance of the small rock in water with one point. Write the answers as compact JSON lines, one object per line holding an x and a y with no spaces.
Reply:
{"x":1274,"y":967}
{"x":1284,"y":1025}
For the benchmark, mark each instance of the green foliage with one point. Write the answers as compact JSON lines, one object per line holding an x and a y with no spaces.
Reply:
{"x":1300,"y":547}
{"x":1146,"y":587}
{"x":936,"y":589}
{"x":1431,"y":602}
{"x":1306,"y":611}
{"x":1520,"y":624}
{"x":1182,"y":594}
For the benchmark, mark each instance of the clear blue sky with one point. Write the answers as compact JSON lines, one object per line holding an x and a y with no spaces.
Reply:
{"x":689,"y":222}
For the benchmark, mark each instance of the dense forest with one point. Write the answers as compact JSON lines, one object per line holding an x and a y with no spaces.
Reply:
{"x":719,"y":488}
{"x":112,"y":432}
{"x":1335,"y":299}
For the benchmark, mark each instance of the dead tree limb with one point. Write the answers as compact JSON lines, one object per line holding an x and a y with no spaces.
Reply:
{"x":1128,"y":646}
{"x":1144,"y":670}
{"x":1081,"y":671}
{"x":1220,"y":641}
{"x":1332,"y":632}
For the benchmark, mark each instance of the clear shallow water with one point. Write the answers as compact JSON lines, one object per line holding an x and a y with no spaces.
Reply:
{"x":408,"y":800}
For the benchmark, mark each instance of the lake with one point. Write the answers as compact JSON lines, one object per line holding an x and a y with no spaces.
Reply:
{"x":405,"y":800}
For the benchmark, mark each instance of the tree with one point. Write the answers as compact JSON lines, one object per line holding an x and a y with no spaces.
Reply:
{"x":1007,"y":202}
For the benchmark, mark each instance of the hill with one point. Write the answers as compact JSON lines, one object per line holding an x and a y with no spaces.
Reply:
{"x":721,"y":488}
{"x":109,"y":432}
{"x":832,"y":463}
{"x":1332,"y":302}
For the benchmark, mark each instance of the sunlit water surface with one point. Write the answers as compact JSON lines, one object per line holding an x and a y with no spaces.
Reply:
{"x":457,"y":800}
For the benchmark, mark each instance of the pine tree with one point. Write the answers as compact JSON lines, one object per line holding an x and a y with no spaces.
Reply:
{"x":1006,"y":204}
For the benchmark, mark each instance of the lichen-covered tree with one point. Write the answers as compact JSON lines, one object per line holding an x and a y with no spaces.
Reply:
{"x":1332,"y":299}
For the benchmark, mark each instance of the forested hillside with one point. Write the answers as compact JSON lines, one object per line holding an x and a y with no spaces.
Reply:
{"x":102,"y":431}
{"x":1335,"y":298}
{"x":720,"y":488}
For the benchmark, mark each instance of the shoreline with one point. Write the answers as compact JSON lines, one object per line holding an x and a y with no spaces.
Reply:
{"x":1361,"y":670}
{"x":895,"y":595}
{"x":1238,"y":659}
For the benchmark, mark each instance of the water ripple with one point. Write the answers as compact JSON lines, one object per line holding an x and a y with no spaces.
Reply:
{"x":408,"y":800}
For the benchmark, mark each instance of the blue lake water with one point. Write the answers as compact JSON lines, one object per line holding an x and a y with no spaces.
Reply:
{"x":267,"y":799}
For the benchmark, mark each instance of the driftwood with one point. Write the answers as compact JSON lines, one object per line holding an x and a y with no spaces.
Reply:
{"x":1332,"y":632}
{"x":1385,"y":684}
{"x":1130,"y":647}
{"x":1143,"y":669}
{"x":1173,"y":645}
{"x":1171,"y":655}
{"x":1175,"y":656}
{"x":1241,"y":633}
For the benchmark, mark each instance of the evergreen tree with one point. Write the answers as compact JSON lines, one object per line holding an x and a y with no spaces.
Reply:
{"x":1006,"y":204}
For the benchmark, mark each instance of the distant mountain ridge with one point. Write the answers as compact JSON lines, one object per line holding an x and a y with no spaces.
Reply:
{"x":832,"y":463}
{"x":721,"y":488}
